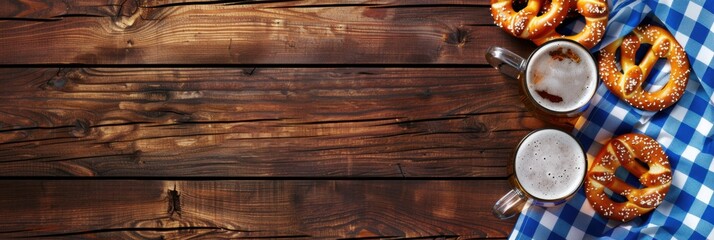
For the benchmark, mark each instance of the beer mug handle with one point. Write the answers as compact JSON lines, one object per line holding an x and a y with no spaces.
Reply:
{"x":510,"y":204}
{"x":506,"y":61}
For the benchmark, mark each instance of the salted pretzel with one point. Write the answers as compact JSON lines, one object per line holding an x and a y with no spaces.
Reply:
{"x":624,"y":151}
{"x":627,"y":84}
{"x":539,"y":19}
{"x":595,"y":13}
{"x":528,"y":23}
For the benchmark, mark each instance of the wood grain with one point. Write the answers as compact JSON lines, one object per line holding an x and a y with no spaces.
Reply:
{"x":126,"y":209}
{"x":229,"y":119}
{"x":393,"y":122}
{"x":57,"y":9}
{"x":250,"y":32}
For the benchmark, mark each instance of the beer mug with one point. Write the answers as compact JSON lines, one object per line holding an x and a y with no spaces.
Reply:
{"x":547,"y":168}
{"x":558,"y":79}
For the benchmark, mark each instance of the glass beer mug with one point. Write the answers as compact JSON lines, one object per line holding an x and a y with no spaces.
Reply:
{"x":547,"y":168}
{"x":558,"y":79}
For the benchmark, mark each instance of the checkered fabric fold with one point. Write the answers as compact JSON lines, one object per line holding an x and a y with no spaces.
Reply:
{"x":683,"y":130}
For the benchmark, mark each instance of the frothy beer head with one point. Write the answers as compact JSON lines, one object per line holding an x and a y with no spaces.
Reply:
{"x":550,"y":164}
{"x":561,"y":76}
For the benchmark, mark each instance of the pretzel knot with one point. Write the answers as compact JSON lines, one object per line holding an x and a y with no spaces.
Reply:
{"x":540,"y":18}
{"x":624,"y":151}
{"x":627,"y":84}
{"x":528,"y":23}
{"x":595,"y":13}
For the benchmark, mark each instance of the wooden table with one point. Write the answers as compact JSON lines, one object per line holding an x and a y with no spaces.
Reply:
{"x":258,"y":119}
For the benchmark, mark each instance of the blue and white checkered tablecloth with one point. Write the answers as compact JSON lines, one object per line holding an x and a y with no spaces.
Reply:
{"x":684,"y":131}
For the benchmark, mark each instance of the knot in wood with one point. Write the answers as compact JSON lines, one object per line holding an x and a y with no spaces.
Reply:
{"x":127,"y":14}
{"x":458,"y":37}
{"x":81,"y":128}
{"x":55,"y":83}
{"x":174,"y":202}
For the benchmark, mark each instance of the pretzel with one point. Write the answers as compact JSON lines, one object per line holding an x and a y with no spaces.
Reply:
{"x":528,"y":23}
{"x":623,"y":151}
{"x":539,"y":19}
{"x":628,"y":86}
{"x":595,"y":13}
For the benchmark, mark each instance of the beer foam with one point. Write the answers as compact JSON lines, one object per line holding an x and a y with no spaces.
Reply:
{"x":561,"y":76}
{"x":550,"y":164}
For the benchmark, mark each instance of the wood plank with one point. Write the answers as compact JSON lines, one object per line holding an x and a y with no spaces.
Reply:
{"x":50,"y":10}
{"x":311,"y":209}
{"x":312,"y":3}
{"x":271,"y":32}
{"x":393,"y":122}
